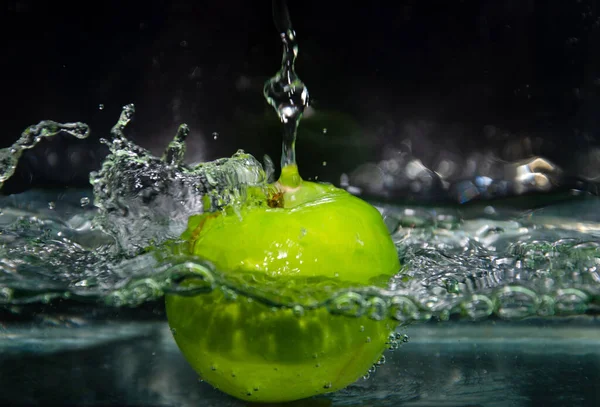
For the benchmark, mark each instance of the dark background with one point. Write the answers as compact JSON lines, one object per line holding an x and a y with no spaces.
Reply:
{"x":516,"y":77}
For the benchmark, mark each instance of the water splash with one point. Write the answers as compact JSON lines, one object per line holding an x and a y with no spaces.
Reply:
{"x":471,"y":265}
{"x":285,"y":91}
{"x":455,"y":264}
{"x":144,"y":200}
{"x":9,"y":157}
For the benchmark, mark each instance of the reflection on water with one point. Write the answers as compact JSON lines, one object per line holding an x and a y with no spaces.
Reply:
{"x":137,"y":363}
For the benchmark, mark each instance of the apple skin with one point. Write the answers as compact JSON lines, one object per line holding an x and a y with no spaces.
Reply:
{"x":322,"y":236}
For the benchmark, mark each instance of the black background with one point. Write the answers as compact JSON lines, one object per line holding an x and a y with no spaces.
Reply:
{"x":527,"y":68}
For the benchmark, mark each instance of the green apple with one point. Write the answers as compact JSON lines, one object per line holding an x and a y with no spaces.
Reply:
{"x":303,"y":234}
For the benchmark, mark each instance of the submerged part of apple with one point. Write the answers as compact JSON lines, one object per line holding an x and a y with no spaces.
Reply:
{"x":305,"y":233}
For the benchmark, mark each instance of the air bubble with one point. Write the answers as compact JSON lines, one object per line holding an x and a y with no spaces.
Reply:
{"x":51,"y":205}
{"x":377,"y":309}
{"x":298,"y":310}
{"x":229,"y":294}
{"x":85,"y":201}
{"x":349,"y":304}
{"x":479,"y":307}
{"x":403,"y":309}
{"x":6,"y":295}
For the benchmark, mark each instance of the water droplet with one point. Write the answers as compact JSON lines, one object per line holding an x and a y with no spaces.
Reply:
{"x":183,"y":43}
{"x":84,"y":201}
{"x":327,"y":386}
{"x":368,"y":340}
{"x":101,"y":106}
{"x":324,"y":163}
{"x":213,"y":368}
{"x":215,"y":135}
{"x":367,"y":376}
{"x":51,"y":205}
{"x":362,"y":328}
{"x":173,"y":331}
{"x":324,"y":130}
{"x":344,"y":180}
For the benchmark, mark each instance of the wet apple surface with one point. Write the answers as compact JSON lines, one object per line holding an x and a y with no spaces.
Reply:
{"x":315,"y":234}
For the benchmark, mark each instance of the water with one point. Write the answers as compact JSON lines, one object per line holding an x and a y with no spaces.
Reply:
{"x":85,"y":282}
{"x":471,"y":262}
{"x":462,"y":262}
{"x":81,"y":296}
{"x":112,"y":325}
{"x":285,"y":91}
